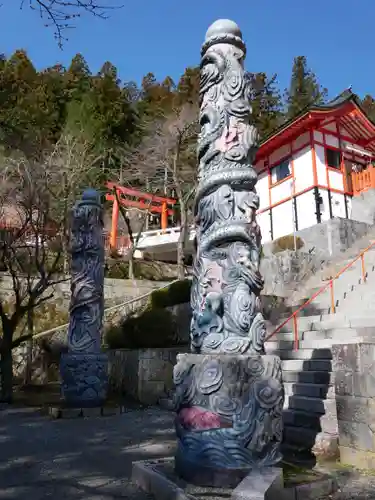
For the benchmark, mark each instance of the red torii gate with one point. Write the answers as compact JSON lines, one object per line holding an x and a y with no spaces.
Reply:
{"x":141,"y":200}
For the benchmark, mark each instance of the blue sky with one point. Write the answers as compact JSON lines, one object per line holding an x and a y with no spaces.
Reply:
{"x":165,"y":36}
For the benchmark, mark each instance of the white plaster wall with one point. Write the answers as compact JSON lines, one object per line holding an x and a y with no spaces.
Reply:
{"x":336,"y":180}
{"x":318,"y":136}
{"x":338,"y":205}
{"x":264,"y":222}
{"x":263,"y":190}
{"x":279,"y":154}
{"x":302,"y":140}
{"x":303,"y":169}
{"x":337,"y":202}
{"x":332,"y":141}
{"x":281,"y":191}
{"x":282,"y":219}
{"x":320,"y":165}
{"x":324,"y":208}
{"x":349,"y":205}
{"x":306,"y":210}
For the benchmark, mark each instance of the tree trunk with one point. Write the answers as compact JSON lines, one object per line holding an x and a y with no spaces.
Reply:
{"x":29,"y":348}
{"x":6,"y":369}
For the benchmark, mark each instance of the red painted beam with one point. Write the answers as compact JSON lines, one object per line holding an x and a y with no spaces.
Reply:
{"x":140,"y":194}
{"x":140,"y":205}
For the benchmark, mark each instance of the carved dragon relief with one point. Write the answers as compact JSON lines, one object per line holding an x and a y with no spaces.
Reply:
{"x":229,"y":396}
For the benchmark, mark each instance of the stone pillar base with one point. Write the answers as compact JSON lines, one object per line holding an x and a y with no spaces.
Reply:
{"x":229,"y":416}
{"x":84,"y":379}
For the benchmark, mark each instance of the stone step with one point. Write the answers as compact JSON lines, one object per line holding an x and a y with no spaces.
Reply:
{"x":301,"y":365}
{"x":367,"y":296}
{"x":302,"y":354}
{"x":311,"y":405}
{"x":310,"y":377}
{"x":304,"y":437}
{"x":295,"y":418}
{"x":339,"y":334}
{"x":300,"y":418}
{"x":299,"y":456}
{"x":322,"y":391}
{"x":288,"y":345}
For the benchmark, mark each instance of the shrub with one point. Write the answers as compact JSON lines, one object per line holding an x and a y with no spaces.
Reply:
{"x":148,"y":270}
{"x":287,"y":243}
{"x":117,"y":270}
{"x":177,"y":293}
{"x":151,"y":329}
{"x":155,"y":326}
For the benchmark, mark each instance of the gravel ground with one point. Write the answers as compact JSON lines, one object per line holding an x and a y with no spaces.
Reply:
{"x":75,"y":459}
{"x":91,"y":458}
{"x":354,"y":485}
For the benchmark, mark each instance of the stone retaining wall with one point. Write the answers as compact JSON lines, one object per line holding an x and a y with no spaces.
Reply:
{"x":114,"y":289}
{"x":354,"y":366}
{"x":146,"y":375}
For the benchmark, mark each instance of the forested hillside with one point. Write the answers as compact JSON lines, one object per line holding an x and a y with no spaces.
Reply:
{"x":117,"y":121}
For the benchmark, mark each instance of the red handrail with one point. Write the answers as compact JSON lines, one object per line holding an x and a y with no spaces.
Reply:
{"x":330,"y":285}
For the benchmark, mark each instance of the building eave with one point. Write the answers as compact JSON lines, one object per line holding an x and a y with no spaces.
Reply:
{"x":313,"y":116}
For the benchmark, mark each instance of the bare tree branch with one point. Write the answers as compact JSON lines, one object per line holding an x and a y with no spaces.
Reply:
{"x":35,"y":204}
{"x":61,"y":14}
{"x":166,"y":156}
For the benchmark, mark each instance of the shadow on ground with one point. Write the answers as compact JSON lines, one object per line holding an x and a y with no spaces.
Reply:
{"x":78,"y":458}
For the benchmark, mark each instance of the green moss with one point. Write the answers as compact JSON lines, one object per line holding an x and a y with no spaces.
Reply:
{"x":287,"y":243}
{"x":177,"y":293}
{"x":294,"y":476}
{"x":153,"y":328}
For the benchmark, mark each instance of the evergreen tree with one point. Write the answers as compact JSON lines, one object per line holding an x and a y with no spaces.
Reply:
{"x":24,"y":108}
{"x":188,"y":86}
{"x":53,"y":79}
{"x":78,"y":78}
{"x":265,"y":102}
{"x":157,"y":98}
{"x":304,"y":90}
{"x":368,"y":105}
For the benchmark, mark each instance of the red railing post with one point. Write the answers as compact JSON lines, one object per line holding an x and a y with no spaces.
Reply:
{"x":295,"y":331}
{"x":332,"y":290}
{"x":329,"y":285}
{"x":363,"y":267}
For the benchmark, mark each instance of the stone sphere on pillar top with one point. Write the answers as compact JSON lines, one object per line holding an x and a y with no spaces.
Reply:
{"x":223,"y":27}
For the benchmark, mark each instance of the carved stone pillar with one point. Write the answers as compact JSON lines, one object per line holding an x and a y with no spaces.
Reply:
{"x":84,"y":368}
{"x":229,"y":395}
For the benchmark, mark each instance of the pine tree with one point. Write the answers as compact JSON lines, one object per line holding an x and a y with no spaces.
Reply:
{"x":24,"y":109}
{"x":188,"y":86}
{"x":368,"y":105}
{"x":78,"y":78}
{"x":53,"y":79}
{"x":304,"y":90}
{"x":157,"y":98}
{"x":265,"y":102}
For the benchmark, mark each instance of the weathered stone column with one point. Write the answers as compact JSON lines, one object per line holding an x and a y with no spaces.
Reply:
{"x":84,"y":367}
{"x":354,"y":377}
{"x":229,"y":395}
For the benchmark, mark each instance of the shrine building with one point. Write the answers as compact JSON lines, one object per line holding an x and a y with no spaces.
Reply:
{"x":311,"y":168}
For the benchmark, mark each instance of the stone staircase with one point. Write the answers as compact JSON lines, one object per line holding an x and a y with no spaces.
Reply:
{"x":310,"y":420}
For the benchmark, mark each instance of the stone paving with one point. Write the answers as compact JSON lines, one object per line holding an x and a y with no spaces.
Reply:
{"x":78,"y":458}
{"x":91,"y":458}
